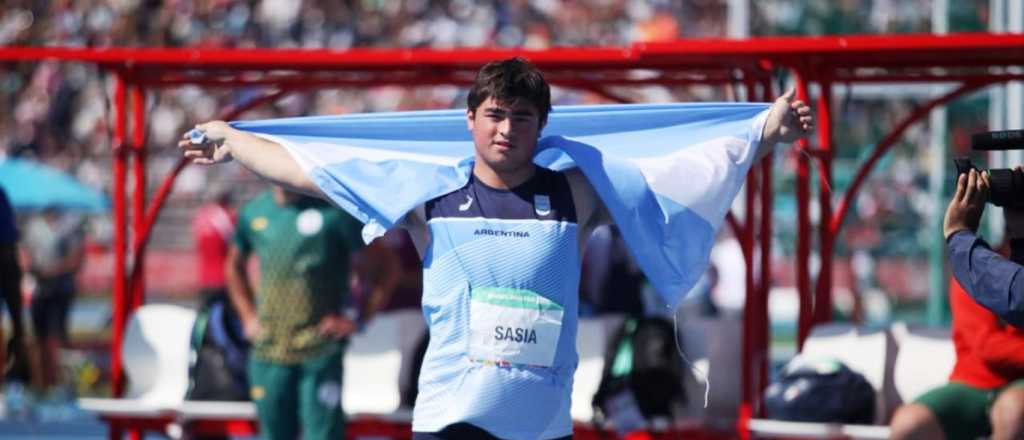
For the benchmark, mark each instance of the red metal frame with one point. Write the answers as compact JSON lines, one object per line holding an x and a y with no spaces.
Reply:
{"x":972,"y":60}
{"x":138,"y":101}
{"x":803,"y":245}
{"x":119,"y":312}
{"x":823,"y":294}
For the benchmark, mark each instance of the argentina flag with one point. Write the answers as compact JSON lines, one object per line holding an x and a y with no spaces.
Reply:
{"x":667,"y":173}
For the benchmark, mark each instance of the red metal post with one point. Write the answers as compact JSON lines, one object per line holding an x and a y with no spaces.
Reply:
{"x":138,"y":281}
{"x":756,"y":311}
{"x":803,"y":239}
{"x":764,"y":283}
{"x":749,"y":399}
{"x":119,"y":293}
{"x":826,"y":236}
{"x":143,"y":233}
{"x":756,"y":323}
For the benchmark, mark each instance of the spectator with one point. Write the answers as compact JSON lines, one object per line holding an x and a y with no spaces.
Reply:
{"x":985,"y":392}
{"x":991,"y":279}
{"x":54,"y":244}
{"x":295,"y":314}
{"x":611,"y":283}
{"x":213,"y":226}
{"x":12,"y":354}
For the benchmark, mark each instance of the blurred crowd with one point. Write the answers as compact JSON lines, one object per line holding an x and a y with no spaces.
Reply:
{"x":60,"y":113}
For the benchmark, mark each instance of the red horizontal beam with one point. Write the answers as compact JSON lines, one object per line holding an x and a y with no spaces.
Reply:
{"x":853,"y":50}
{"x":925,"y":77}
{"x":1001,"y":45}
{"x":301,"y":59}
{"x":300,"y":82}
{"x":828,"y":53}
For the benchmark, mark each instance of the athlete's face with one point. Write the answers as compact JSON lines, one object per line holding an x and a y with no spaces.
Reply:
{"x":505,"y":135}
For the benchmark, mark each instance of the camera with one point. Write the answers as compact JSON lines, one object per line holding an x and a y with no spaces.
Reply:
{"x":1006,"y":186}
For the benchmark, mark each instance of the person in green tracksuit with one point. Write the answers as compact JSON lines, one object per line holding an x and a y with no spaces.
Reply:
{"x":294,"y":315}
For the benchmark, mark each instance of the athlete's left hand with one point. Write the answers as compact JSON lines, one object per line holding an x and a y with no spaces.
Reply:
{"x":337,"y":326}
{"x":788,"y":120}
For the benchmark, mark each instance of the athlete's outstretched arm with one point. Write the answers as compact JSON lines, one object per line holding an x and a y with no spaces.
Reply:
{"x":788,"y":120}
{"x":267,"y":159}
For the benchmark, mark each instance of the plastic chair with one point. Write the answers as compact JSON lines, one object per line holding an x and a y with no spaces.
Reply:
{"x":925,"y":359}
{"x":156,"y":354}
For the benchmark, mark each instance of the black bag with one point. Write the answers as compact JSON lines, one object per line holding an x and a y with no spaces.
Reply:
{"x":820,"y":390}
{"x":219,"y":354}
{"x":642,"y":375}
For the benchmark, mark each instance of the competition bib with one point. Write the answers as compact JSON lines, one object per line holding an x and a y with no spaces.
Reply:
{"x":513,"y":326}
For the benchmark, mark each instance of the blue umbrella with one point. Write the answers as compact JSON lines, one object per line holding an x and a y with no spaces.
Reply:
{"x":31,"y":185}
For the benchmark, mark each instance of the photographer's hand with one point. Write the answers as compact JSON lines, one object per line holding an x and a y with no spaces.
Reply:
{"x":967,"y":205}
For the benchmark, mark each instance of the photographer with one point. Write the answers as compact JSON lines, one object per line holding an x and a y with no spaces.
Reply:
{"x":992,"y":280}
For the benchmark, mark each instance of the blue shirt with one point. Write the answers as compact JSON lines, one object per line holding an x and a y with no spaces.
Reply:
{"x":500,"y":287}
{"x":992,"y":280}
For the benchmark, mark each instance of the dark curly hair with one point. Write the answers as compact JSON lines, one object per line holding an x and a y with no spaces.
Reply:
{"x":510,"y":81}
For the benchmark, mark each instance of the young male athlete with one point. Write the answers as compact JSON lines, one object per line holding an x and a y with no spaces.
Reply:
{"x":501,"y":260}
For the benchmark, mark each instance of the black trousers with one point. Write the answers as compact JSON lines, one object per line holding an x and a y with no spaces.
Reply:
{"x":462,"y":431}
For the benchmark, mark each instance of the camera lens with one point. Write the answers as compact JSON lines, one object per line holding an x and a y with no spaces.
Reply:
{"x":1005,"y":187}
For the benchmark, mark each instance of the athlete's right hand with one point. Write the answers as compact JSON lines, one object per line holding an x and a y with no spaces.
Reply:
{"x":214,"y":149}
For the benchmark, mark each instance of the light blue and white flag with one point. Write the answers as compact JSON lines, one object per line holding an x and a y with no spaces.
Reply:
{"x":667,"y":173}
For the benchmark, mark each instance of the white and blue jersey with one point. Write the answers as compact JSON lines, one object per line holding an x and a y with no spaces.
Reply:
{"x":500,"y":296}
